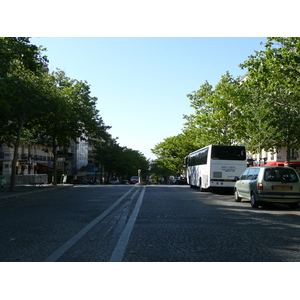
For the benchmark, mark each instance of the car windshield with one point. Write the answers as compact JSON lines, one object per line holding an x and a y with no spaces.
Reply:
{"x":134,"y":177}
{"x":281,"y":175}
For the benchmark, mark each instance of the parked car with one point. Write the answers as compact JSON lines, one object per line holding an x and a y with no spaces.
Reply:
{"x":89,"y":181}
{"x":114,"y":180}
{"x":181,"y":180}
{"x":268,"y":185}
{"x":134,"y":179}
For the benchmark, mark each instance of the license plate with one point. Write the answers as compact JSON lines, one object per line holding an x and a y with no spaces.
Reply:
{"x":280,"y":187}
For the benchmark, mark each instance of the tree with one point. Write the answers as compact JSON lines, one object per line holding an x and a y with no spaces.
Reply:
{"x":158,"y":170}
{"x":132,"y":161}
{"x":171,"y":153}
{"x":69,"y":113}
{"x":120,"y":161}
{"x":21,"y":81}
{"x":16,"y":51}
{"x":216,"y":115}
{"x":272,"y":82}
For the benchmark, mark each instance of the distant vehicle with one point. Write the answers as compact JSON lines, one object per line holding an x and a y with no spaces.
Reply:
{"x":134,"y":179}
{"x":215,"y":166}
{"x":114,"y":180}
{"x":89,"y":181}
{"x":268,"y":184}
{"x":173,"y":179}
{"x":181,"y":180}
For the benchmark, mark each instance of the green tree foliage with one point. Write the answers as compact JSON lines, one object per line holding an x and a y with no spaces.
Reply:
{"x":273,"y":84}
{"x":158,"y":170}
{"x":119,"y":161}
{"x":21,"y":88}
{"x":171,"y":153}
{"x":48,"y":109}
{"x":216,"y":115}
{"x":133,"y":160}
{"x":69,"y":113}
{"x":16,"y":51}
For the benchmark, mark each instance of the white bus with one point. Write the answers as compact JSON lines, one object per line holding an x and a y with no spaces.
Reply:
{"x":215,"y":166}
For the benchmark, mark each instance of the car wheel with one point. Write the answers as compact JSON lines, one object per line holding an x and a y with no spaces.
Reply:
{"x":253,"y":201}
{"x":293,"y":205}
{"x":236,"y":196}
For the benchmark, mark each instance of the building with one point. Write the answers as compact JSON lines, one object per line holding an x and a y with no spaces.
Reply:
{"x":274,"y":159}
{"x":80,"y":153}
{"x":38,"y":159}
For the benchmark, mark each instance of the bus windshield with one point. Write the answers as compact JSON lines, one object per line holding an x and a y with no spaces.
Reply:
{"x":228,"y":152}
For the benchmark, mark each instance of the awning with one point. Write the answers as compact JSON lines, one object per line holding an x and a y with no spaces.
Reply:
{"x":282,"y":163}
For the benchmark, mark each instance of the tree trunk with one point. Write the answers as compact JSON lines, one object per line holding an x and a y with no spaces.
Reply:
{"x":288,"y":154}
{"x":108,"y":176}
{"x":15,"y":159}
{"x":13,"y":169}
{"x":54,"y":175}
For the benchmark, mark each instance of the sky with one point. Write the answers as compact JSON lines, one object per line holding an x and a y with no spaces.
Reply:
{"x":142,"y":82}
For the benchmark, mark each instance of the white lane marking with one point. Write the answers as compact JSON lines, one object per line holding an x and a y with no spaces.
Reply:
{"x":119,"y":250}
{"x":60,"y":251}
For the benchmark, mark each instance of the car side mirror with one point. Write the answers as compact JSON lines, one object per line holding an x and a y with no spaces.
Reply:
{"x":236,"y":178}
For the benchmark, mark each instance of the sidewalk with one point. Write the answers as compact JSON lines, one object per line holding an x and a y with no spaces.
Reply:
{"x":29,"y":190}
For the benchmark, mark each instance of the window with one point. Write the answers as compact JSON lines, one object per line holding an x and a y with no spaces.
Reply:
{"x":244,"y":175}
{"x":228,"y":152}
{"x":280,"y":175}
{"x":294,"y":154}
{"x":253,"y":173}
{"x":198,"y":158}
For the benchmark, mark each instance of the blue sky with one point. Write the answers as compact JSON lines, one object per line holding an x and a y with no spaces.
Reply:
{"x":141,"y":82}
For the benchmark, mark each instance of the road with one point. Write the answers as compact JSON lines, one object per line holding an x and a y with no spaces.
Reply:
{"x":112,"y":223}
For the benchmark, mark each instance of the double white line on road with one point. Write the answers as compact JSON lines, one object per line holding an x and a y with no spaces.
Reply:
{"x":121,"y":246}
{"x":118,"y":253}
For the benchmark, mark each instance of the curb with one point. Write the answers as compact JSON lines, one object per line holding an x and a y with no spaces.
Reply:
{"x":37,"y":191}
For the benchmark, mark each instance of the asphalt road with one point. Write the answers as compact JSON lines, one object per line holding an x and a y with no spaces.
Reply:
{"x":87,"y":223}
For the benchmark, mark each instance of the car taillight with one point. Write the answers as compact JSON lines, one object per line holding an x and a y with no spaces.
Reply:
{"x":260,"y":186}
{"x":291,"y":187}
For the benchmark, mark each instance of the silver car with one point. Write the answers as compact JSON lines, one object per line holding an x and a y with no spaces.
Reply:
{"x":268,"y":184}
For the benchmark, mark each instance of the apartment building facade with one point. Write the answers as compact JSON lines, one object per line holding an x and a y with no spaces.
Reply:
{"x":275,"y":159}
{"x":38,"y":159}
